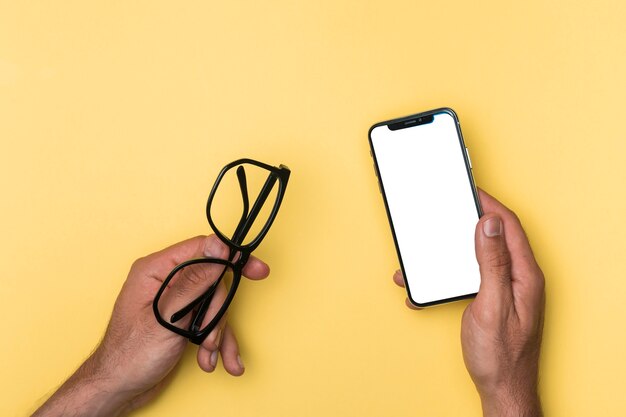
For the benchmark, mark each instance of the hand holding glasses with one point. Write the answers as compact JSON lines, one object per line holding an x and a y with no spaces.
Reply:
{"x":194,"y":311}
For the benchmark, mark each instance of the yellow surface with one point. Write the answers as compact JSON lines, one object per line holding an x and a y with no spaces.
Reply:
{"x":115,"y":118}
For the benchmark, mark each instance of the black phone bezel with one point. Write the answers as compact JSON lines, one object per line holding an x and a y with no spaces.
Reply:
{"x":400,"y":123}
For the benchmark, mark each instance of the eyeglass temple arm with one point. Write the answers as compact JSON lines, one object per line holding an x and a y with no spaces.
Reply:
{"x":208,"y":295}
{"x":243,"y":186}
{"x":206,"y":298}
{"x":246,"y":224}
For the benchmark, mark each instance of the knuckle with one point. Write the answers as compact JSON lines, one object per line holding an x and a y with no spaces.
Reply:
{"x":192,"y":281}
{"x":213,"y":247}
{"x":191,"y":276}
{"x":181,"y":291}
{"x":514,"y":217}
{"x":211,"y":344}
{"x":499,"y":260}
{"x":541,"y":281}
{"x":139,"y":263}
{"x":535,"y":279}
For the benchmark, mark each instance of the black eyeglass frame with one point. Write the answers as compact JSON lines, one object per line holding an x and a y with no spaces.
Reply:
{"x":235,"y":244}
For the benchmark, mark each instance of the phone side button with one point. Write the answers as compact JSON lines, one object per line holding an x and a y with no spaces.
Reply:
{"x":468,"y":157}
{"x":380,"y":189}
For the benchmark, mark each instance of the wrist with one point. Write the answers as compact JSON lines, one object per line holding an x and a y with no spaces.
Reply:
{"x":511,"y":402}
{"x":88,"y":392}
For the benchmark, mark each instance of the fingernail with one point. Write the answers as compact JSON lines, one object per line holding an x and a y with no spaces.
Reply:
{"x":240,"y":362}
{"x":492,"y":227}
{"x":213,"y":359}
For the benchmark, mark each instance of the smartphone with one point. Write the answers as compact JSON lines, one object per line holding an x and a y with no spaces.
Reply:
{"x":425,"y":177}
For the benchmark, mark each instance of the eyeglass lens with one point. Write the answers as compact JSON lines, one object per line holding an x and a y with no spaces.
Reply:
{"x":183,"y":297}
{"x":235,"y":199}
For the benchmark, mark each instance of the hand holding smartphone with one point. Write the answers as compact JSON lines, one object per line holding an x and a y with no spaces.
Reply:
{"x":425,"y":177}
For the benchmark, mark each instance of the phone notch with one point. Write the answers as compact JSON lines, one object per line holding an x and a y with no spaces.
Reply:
{"x":416,"y":121}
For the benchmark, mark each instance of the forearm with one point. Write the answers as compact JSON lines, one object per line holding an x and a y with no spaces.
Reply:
{"x":88,"y":392}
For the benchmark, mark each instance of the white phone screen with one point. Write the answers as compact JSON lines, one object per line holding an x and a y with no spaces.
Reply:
{"x":431,"y":205}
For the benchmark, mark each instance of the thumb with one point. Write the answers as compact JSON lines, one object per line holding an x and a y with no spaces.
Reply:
{"x":159,"y":264}
{"x":494,"y":260}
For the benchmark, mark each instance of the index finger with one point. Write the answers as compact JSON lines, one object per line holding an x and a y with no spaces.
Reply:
{"x":158,"y":265}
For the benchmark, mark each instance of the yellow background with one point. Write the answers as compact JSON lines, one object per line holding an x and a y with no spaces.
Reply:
{"x":115,"y":118}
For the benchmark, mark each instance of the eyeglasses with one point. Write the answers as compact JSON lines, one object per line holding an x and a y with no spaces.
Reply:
{"x":196,"y":294}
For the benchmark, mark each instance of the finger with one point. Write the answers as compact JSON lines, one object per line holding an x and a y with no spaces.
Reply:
{"x":494,"y":261}
{"x":256,"y":269}
{"x":207,"y":360}
{"x":159,"y":264}
{"x":214,"y":339}
{"x":230,"y":353}
{"x":208,"y":350}
{"x":398,"y":278}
